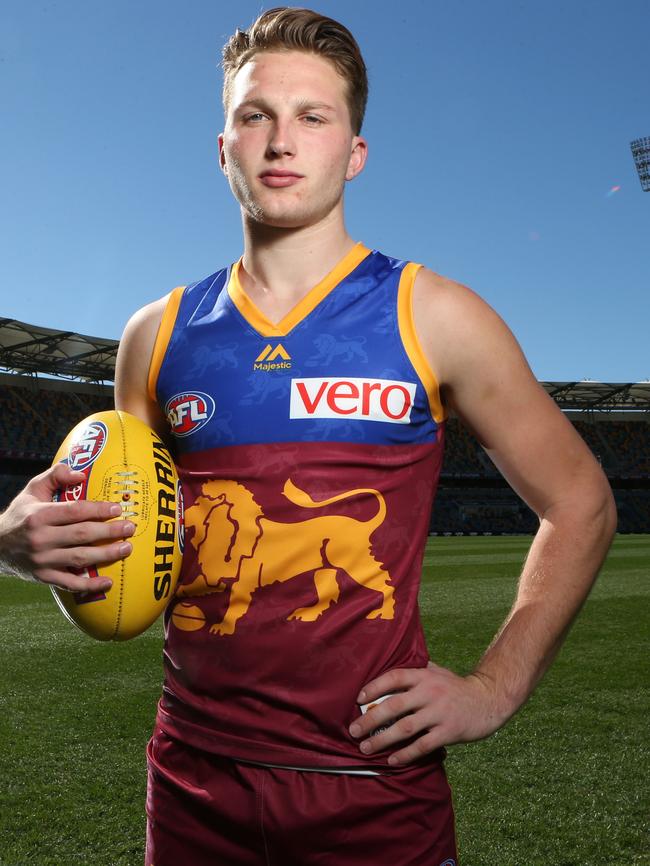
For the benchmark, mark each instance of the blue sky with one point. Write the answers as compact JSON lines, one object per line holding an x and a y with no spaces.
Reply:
{"x":496,"y":131}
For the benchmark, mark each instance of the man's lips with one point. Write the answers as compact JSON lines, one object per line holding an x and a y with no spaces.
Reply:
{"x":279,"y":177}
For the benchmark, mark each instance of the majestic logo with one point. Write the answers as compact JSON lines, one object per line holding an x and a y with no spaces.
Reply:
{"x":87,"y":447}
{"x":240,"y":549}
{"x":267,"y":358}
{"x":363,"y":399}
{"x":188,"y":412}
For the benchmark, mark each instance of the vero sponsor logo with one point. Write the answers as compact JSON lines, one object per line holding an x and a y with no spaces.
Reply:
{"x":364,"y":399}
{"x":188,"y":412}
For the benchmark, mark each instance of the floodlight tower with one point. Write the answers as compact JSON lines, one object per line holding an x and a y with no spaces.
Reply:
{"x":641,"y":153}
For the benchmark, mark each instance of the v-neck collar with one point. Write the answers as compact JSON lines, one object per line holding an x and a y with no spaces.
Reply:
{"x":264,"y":326}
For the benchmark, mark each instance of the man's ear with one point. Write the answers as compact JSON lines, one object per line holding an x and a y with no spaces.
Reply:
{"x":358,"y":156}
{"x":222,"y":155}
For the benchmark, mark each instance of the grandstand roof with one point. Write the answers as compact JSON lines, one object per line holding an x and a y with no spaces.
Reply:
{"x":601,"y":396}
{"x":30,"y":349}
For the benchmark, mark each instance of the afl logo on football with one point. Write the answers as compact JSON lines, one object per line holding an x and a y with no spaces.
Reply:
{"x":188,"y":412}
{"x":87,"y":447}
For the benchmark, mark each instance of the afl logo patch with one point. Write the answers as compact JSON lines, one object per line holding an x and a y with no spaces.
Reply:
{"x":87,"y":446}
{"x":188,"y":412}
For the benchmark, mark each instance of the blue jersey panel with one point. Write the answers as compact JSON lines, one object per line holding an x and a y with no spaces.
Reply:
{"x":340,"y":374}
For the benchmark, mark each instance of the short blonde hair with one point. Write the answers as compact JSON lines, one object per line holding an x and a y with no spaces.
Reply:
{"x":287,"y":28}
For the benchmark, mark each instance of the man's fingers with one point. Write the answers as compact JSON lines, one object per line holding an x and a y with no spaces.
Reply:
{"x":383,"y":714}
{"x":84,"y":557}
{"x":423,"y":746}
{"x":55,"y":478}
{"x":393,"y":721}
{"x":439,"y":709}
{"x":394,"y":680}
{"x":74,"y":582}
{"x":417,"y":727}
{"x":50,"y":537}
{"x":60,"y":513}
{"x":58,"y":477}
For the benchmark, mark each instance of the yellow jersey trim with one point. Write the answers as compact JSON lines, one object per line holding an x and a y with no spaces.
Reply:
{"x":304,"y":307}
{"x":163,"y":336}
{"x":412,"y":343}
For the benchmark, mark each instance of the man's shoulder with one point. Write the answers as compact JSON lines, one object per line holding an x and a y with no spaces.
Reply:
{"x":150,"y":315}
{"x":429,"y":281}
{"x":459,"y":330}
{"x":444,"y":300}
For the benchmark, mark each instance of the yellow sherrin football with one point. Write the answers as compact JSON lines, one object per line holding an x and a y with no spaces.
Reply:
{"x":124,"y":461}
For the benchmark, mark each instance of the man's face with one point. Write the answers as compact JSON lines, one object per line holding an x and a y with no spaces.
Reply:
{"x":288,"y":146}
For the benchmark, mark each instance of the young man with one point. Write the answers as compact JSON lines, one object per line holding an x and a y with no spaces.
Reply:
{"x":306,"y":389}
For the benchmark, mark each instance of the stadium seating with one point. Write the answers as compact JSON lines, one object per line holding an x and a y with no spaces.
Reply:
{"x":621,"y":446}
{"x":472,"y":496}
{"x":33,"y":423}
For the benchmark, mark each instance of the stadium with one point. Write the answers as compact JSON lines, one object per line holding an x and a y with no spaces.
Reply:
{"x":51,"y":379}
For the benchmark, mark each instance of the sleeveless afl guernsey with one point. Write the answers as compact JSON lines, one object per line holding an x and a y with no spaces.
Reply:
{"x":309,"y":452}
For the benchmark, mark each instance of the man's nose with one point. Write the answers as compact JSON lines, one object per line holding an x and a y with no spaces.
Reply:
{"x":281,"y":141}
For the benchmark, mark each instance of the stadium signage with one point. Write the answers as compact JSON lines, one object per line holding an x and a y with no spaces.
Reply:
{"x":363,"y":399}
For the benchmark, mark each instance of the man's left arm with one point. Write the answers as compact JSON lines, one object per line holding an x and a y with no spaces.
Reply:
{"x":485,"y":379}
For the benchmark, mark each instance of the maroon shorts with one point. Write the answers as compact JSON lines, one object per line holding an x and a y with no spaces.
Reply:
{"x":205,"y":810}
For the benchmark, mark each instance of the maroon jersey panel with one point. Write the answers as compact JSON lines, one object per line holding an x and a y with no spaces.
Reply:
{"x":300,"y":582}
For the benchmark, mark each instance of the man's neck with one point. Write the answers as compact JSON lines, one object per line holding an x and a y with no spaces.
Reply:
{"x":281,"y":266}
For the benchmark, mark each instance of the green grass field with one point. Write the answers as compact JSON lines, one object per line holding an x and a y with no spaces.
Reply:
{"x":564,"y":784}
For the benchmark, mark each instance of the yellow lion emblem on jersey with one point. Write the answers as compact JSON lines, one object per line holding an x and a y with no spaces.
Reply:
{"x":240,"y":548}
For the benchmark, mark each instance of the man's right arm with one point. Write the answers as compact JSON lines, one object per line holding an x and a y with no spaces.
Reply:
{"x":42,"y":540}
{"x":132,"y":367}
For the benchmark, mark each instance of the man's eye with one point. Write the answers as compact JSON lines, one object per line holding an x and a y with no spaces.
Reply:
{"x":255,"y":117}
{"x":313,"y":120}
